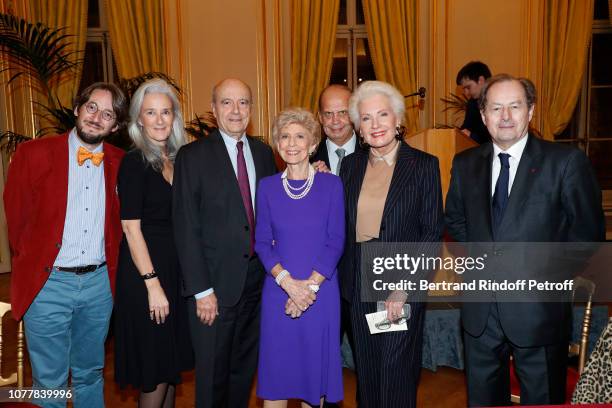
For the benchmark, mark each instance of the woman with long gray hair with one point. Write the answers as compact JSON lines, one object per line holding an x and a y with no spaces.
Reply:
{"x":152,"y":344}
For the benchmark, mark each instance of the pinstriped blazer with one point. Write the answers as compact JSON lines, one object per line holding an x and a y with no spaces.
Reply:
{"x":413,"y":208}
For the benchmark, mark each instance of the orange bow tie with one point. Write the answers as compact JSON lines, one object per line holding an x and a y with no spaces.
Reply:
{"x":84,"y":154}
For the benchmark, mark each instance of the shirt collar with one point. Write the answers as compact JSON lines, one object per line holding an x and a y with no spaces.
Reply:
{"x":515,"y":151}
{"x":74,"y":143}
{"x":390,"y":158}
{"x":231,"y":142}
{"x":349,"y":146}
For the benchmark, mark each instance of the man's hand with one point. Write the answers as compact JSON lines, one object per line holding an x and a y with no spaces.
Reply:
{"x":206,"y":309}
{"x":321,"y":167}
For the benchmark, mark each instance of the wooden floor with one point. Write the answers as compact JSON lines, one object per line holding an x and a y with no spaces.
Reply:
{"x":443,"y":389}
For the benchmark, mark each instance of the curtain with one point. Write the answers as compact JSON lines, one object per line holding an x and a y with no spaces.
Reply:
{"x":391,"y":26}
{"x":313,"y":41}
{"x":137,"y":36}
{"x":71,"y":14}
{"x":567,"y":33}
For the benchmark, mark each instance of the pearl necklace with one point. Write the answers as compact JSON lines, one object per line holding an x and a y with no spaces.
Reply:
{"x":304,"y":187}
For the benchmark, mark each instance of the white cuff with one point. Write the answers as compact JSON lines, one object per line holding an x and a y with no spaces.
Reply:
{"x":207,"y":292}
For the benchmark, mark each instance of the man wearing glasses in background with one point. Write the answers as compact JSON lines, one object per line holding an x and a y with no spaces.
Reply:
{"x":340,"y":139}
{"x":62,"y":213}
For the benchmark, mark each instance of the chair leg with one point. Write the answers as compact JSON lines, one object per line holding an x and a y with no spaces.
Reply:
{"x":20,"y":337}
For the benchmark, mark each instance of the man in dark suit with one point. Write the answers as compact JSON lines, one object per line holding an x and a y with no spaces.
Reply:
{"x":215,"y":182}
{"x":340,"y":139}
{"x":62,"y":212}
{"x":472,"y":77}
{"x":519,"y":189}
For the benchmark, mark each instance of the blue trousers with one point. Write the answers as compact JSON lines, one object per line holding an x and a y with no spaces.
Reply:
{"x":65,"y":329}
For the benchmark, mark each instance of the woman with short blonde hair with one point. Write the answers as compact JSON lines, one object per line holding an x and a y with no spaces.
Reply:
{"x":299,"y":239}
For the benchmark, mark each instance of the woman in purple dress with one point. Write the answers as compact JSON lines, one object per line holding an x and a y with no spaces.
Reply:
{"x":299,"y":238}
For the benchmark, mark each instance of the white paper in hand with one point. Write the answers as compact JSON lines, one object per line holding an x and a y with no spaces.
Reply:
{"x":377,"y":323}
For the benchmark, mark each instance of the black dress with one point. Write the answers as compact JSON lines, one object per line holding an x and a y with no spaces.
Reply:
{"x":147,"y":353}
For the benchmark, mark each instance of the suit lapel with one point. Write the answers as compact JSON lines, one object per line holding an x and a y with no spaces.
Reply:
{"x":356,"y":181}
{"x":258,"y":159}
{"x":324,"y":154}
{"x":225,"y":163}
{"x":482,"y":177}
{"x":227,"y":172}
{"x":111,"y":167}
{"x":59,"y":170}
{"x":402,"y":174}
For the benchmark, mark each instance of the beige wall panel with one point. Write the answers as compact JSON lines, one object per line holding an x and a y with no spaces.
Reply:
{"x":507,"y":35}
{"x":249,"y":40}
{"x":222,"y":42}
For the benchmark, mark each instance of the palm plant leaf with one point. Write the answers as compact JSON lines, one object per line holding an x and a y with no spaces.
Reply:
{"x":9,"y":141}
{"x":129,"y":85}
{"x":36,"y":51}
{"x":455,"y":103}
{"x":62,"y":119}
{"x":201,"y":126}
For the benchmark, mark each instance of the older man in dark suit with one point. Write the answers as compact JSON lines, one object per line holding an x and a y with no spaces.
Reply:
{"x":215,"y":183}
{"x":519,"y":189}
{"x":340,"y":139}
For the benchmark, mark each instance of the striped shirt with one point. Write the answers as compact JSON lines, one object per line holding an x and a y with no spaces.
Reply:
{"x":83,"y":237}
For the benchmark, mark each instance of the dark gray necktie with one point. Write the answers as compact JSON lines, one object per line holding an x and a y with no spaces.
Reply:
{"x":341,"y":153}
{"x":500,"y":197}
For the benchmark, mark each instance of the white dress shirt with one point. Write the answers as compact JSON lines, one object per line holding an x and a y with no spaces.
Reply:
{"x":83,"y":236}
{"x":515,"y":151}
{"x":349,"y":147}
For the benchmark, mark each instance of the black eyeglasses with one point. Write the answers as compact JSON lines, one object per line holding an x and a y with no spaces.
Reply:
{"x":92,"y":108}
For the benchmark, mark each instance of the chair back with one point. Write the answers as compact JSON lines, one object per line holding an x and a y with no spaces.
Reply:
{"x":16,"y":377}
{"x":581,"y":285}
{"x":582,"y":347}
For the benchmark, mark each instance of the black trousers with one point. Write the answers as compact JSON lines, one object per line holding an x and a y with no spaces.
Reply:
{"x":541,"y":370}
{"x":226,"y":353}
{"x":388,"y":365}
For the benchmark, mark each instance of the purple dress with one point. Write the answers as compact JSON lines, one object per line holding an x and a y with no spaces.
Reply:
{"x":300,"y":358}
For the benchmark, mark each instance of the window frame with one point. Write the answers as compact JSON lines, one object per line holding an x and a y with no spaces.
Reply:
{"x":578,"y":125}
{"x":101,"y":35}
{"x":351,"y":32}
